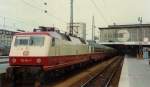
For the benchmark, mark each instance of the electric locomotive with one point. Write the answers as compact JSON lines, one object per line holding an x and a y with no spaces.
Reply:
{"x":47,"y":49}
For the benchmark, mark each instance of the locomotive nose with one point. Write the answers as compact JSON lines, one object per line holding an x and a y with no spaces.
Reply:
{"x":26,"y":53}
{"x":26,"y":60}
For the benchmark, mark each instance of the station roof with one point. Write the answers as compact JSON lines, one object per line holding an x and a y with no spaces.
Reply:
{"x":124,"y":43}
{"x":129,"y":26}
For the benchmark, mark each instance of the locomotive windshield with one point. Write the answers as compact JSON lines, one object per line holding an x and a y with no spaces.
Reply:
{"x":21,"y":40}
{"x":29,"y":40}
{"x":37,"y":40}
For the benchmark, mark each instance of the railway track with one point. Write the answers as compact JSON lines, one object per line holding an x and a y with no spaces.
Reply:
{"x":104,"y":78}
{"x":90,"y":77}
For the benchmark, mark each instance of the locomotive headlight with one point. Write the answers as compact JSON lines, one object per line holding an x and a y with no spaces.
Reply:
{"x":38,"y":60}
{"x":13,"y":60}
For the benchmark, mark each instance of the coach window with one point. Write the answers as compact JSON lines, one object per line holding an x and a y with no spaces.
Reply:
{"x":53,"y":41}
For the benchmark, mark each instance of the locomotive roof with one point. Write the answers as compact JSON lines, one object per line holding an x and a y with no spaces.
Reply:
{"x":32,"y":33}
{"x":54,"y":34}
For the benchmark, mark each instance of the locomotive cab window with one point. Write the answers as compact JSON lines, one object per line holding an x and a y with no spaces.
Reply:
{"x":29,"y":40}
{"x":21,"y":40}
{"x":37,"y":40}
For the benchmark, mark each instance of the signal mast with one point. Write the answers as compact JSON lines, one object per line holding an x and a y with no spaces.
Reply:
{"x":71,"y":18}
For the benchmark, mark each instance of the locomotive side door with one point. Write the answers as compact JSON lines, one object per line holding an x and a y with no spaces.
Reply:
{"x":57,"y":47}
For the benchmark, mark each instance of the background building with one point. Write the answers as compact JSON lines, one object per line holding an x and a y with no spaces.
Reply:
{"x":6,"y":37}
{"x":5,"y":41}
{"x":132,"y":39}
{"x":126,"y":33}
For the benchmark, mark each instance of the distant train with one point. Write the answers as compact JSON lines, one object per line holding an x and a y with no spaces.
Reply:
{"x":4,"y":50}
{"x":47,"y":49}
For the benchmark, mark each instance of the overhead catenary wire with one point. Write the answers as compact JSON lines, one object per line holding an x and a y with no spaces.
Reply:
{"x":113,"y":18}
{"x":99,"y":11}
{"x":12,"y":19}
{"x":8,"y":22}
{"x":106,"y":9}
{"x":43,"y":10}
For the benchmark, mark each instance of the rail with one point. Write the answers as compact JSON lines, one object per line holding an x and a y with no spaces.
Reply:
{"x":105,"y":76}
{"x":114,"y":72}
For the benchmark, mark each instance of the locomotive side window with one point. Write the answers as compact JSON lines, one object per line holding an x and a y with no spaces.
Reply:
{"x":37,"y":40}
{"x":53,"y":41}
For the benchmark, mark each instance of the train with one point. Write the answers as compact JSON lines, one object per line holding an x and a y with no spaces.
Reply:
{"x":47,"y":49}
{"x":4,"y":50}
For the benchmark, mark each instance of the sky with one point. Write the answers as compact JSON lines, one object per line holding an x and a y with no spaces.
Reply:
{"x":29,"y":14}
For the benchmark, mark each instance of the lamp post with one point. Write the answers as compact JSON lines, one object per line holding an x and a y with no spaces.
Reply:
{"x":140,"y":20}
{"x":93,"y":33}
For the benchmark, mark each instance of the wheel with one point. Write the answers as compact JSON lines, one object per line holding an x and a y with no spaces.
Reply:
{"x":9,"y":73}
{"x":42,"y":79}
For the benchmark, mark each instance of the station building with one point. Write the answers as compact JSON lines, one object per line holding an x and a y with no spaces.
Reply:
{"x":6,"y":37}
{"x":131,"y":38}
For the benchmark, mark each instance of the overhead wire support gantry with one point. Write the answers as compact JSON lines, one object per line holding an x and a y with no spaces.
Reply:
{"x":71,"y":17}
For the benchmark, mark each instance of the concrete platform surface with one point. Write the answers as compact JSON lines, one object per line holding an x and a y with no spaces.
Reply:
{"x":3,"y":65}
{"x":135,"y":73}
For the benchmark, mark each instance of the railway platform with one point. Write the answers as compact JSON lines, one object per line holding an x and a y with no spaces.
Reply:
{"x":135,"y":73}
{"x":3,"y":64}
